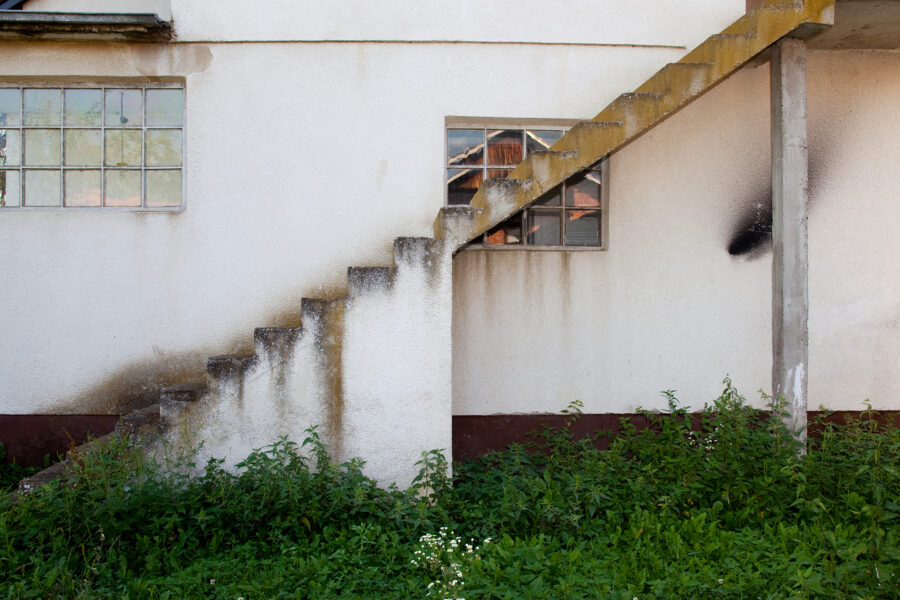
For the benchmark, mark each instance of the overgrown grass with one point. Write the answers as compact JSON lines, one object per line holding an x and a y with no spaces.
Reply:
{"x":726,"y":512}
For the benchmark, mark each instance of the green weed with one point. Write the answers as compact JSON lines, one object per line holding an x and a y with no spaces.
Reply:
{"x":728,"y":510}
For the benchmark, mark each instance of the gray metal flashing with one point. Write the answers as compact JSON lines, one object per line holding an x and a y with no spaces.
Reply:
{"x":134,"y":27}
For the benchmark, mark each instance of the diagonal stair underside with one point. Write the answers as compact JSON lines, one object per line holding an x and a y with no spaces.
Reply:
{"x":630,"y":115}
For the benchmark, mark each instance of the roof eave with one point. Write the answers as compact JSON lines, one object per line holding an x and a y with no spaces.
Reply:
{"x":19,"y":25}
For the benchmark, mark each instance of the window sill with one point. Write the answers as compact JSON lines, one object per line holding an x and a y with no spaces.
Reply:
{"x":53,"y":26}
{"x":509,"y":247}
{"x":84,"y":209}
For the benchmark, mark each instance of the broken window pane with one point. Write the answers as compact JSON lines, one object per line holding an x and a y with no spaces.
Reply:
{"x":543,"y":227}
{"x":164,"y":108}
{"x":164,"y":148}
{"x":83,"y":188}
{"x":123,"y":148}
{"x":584,"y":190}
{"x":582,"y":228}
{"x":43,"y":107}
{"x":83,"y":147}
{"x":462,"y":185}
{"x":10,"y":147}
{"x":164,"y":188}
{"x":83,"y":107}
{"x":124,"y":108}
{"x":541,"y":139}
{"x":465,"y":146}
{"x":507,"y":233}
{"x":9,"y":188}
{"x":123,"y":188}
{"x":504,"y":147}
{"x":10,"y":107}
{"x":42,"y":147}
{"x":42,"y":188}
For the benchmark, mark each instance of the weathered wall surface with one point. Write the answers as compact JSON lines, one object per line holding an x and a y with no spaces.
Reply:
{"x":667,"y":306}
{"x":371,"y":372}
{"x":301,"y":159}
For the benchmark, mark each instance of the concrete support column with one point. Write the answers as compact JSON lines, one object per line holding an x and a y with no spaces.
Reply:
{"x":790,"y":262}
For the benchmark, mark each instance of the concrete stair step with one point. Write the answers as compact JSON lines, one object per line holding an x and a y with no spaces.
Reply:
{"x":363,"y":280}
{"x":453,"y":223}
{"x":593,"y":139}
{"x":229,"y":364}
{"x":683,"y":80}
{"x":140,"y":419}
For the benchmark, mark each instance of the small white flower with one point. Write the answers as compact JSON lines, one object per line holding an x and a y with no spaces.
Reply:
{"x":212,"y":582}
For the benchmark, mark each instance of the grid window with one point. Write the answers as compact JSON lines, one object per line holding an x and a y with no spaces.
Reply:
{"x":468,"y":164}
{"x":571,"y":215}
{"x":105,"y":146}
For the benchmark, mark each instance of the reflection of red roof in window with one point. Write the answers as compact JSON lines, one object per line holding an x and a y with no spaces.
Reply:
{"x":584,"y":199}
{"x":505,"y":154}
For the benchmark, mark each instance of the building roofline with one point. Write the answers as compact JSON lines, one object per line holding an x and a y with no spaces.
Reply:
{"x":34,"y":25}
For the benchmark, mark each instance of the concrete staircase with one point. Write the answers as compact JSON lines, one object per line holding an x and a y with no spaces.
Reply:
{"x":370,"y":369}
{"x":373,"y":368}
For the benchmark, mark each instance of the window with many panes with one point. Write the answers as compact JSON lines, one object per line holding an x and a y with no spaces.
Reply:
{"x":569,"y":216}
{"x":112,"y":146}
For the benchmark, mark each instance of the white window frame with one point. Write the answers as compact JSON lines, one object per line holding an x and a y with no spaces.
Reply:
{"x":23,"y":84}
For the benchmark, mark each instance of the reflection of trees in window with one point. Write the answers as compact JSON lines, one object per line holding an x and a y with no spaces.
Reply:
{"x":101,"y":146}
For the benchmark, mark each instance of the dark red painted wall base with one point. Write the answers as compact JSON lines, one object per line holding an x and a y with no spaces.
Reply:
{"x":28,"y":438}
{"x":476,"y":435}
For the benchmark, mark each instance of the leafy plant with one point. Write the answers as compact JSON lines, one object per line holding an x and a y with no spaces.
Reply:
{"x":719,"y":506}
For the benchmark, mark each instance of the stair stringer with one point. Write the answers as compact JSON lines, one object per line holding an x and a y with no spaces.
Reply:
{"x":370,"y":370}
{"x":634,"y":113}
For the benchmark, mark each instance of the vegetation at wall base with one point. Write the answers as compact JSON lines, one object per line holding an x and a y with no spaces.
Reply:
{"x":11,"y":472}
{"x":730,"y":511}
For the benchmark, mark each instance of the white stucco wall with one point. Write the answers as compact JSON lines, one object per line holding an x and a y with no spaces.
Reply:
{"x":625,"y":22}
{"x":666,"y":307}
{"x":302,"y":159}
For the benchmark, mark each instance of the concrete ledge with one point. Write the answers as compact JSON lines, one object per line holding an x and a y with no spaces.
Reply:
{"x":18,"y":25}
